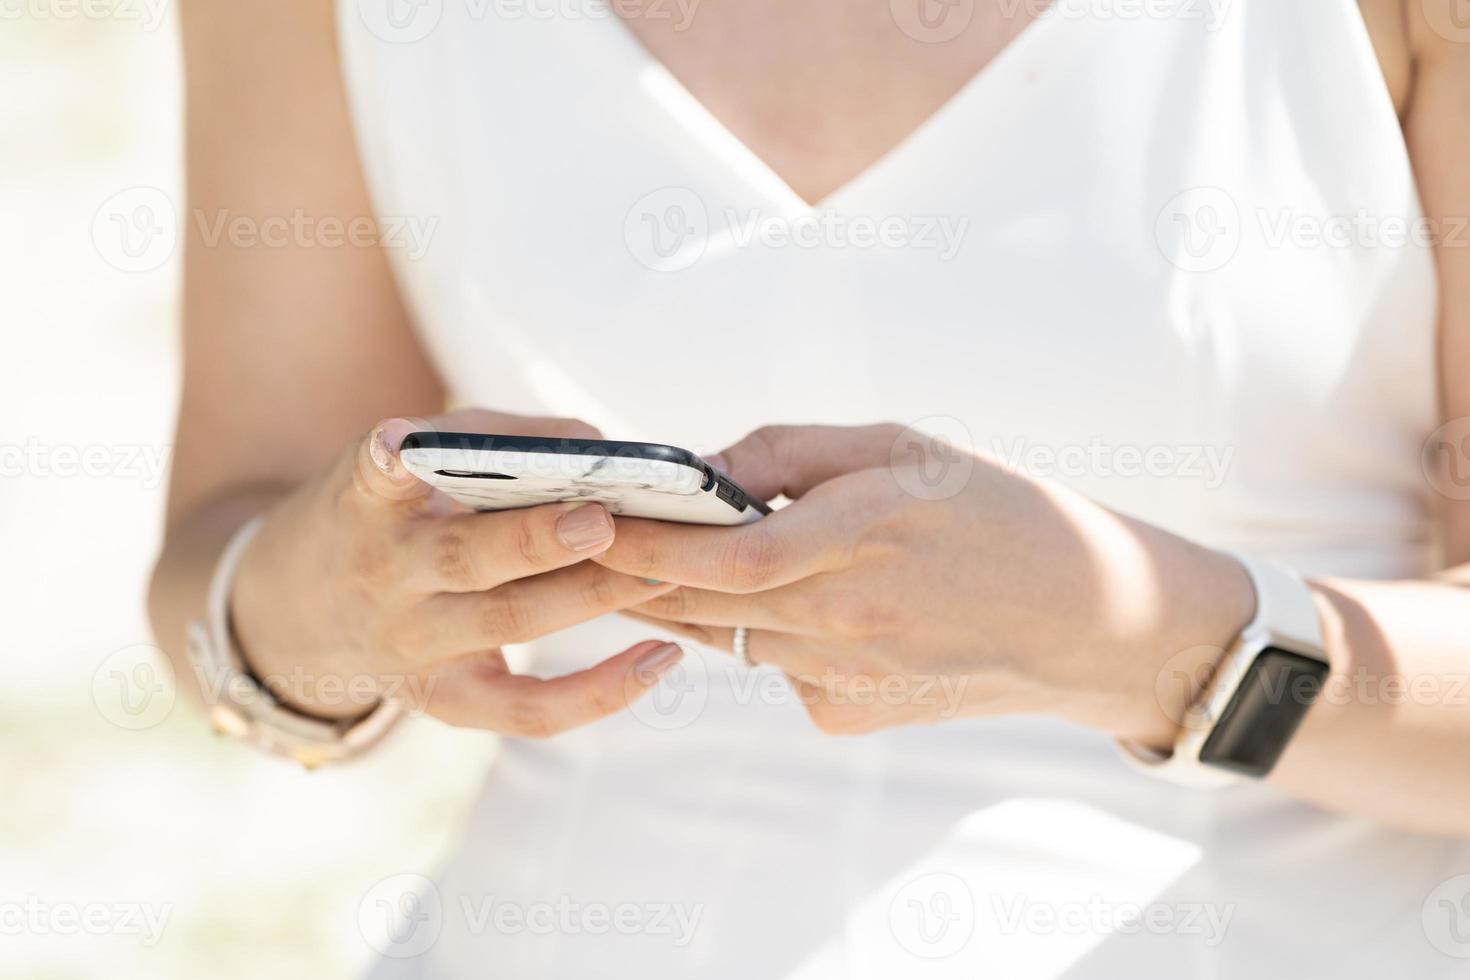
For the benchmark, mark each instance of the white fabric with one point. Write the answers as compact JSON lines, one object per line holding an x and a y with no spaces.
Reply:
{"x":535,"y":141}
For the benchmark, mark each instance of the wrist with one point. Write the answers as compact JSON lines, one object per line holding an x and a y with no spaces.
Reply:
{"x":1203,"y":601}
{"x":279,"y":668}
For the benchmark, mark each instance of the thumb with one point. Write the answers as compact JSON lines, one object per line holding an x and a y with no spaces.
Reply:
{"x":377,"y":471}
{"x":790,"y":460}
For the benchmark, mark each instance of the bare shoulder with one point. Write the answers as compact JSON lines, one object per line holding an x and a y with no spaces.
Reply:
{"x":1388,"y":26}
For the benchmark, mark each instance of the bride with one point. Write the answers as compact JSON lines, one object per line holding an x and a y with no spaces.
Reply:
{"x":1113,"y":360}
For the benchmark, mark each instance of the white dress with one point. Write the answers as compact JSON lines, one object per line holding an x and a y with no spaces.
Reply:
{"x":1099,"y":253}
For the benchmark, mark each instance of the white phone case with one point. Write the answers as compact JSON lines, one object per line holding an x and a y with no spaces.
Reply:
{"x":506,"y":479}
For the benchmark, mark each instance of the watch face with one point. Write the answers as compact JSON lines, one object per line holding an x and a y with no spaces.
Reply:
{"x":1260,"y":719}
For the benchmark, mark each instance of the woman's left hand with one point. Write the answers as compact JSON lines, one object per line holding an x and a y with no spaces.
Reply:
{"x":892,"y":596}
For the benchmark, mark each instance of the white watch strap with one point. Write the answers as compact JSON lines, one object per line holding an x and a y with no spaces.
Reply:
{"x":1286,"y":613}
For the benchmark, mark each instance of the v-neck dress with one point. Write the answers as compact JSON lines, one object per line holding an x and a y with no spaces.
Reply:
{"x":1164,"y":253}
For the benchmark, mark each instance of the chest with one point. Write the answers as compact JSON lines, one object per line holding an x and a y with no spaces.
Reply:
{"x":820,"y":89}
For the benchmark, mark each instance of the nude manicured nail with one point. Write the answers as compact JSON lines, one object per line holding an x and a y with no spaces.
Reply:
{"x":659,"y":659}
{"x":378,"y":449}
{"x":586,"y":527}
{"x":718,"y":462}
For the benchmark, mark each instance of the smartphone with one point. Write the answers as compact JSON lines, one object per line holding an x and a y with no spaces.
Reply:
{"x":634,"y":479}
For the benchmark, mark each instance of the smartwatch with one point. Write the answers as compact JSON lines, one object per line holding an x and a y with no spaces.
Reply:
{"x":1259,"y":694}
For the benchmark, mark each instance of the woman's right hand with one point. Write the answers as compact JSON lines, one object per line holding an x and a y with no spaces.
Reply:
{"x":366,"y":583}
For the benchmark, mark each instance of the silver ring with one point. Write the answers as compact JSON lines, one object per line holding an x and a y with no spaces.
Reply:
{"x":741,"y":645}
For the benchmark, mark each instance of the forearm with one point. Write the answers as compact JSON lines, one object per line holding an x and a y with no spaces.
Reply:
{"x":1389,"y":734}
{"x":181,"y":577}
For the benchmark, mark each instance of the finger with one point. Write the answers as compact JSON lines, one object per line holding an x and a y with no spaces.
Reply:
{"x":473,"y":552}
{"x":477,"y":692}
{"x":798,"y":656}
{"x":777,"y":609}
{"x":791,"y":459}
{"x":453,"y":624}
{"x":378,"y":475}
{"x":785,"y":547}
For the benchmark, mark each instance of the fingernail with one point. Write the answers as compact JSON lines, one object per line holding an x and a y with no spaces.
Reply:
{"x":659,"y":659}
{"x":718,"y":462}
{"x":378,"y":449}
{"x":584,"y":528}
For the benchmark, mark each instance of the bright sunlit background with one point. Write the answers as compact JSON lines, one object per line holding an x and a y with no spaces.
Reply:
{"x":122,"y":814}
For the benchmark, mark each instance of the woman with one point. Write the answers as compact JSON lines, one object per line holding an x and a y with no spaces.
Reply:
{"x":1159,"y":275}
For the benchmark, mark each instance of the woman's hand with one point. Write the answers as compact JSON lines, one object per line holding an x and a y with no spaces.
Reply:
{"x":891,"y":599}
{"x":366,"y":583}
